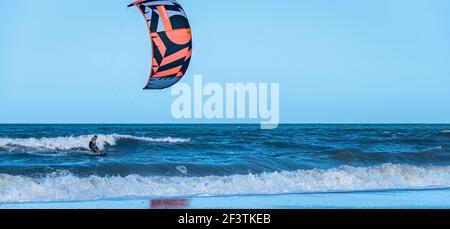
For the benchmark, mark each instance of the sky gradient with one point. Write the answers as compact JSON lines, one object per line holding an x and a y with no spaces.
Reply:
{"x":375,"y":61}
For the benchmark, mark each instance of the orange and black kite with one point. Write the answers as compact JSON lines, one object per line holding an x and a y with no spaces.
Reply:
{"x":171,"y":41}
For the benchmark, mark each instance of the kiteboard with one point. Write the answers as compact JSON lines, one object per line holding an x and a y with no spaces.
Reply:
{"x":101,"y":154}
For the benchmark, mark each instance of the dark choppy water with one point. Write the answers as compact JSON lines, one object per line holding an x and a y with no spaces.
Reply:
{"x":188,"y":160}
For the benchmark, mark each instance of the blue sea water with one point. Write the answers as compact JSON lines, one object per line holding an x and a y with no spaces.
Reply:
{"x":46,"y":163}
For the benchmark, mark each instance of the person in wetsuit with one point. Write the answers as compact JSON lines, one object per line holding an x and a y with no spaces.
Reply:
{"x":93,"y":145}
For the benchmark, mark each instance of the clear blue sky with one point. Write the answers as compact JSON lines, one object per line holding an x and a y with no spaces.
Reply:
{"x":336,"y":61}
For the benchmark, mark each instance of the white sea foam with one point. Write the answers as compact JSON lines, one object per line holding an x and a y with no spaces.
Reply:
{"x":445,"y":131}
{"x":182,"y":169}
{"x":78,"y":142}
{"x":67,"y":187}
{"x":433,"y":149}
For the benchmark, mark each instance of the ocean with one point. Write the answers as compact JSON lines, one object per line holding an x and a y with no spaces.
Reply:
{"x":52,"y":163}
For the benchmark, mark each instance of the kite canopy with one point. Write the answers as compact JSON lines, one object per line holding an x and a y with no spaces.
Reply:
{"x":171,"y":41}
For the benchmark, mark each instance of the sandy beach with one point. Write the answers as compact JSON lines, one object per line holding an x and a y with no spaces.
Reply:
{"x":434,"y":199}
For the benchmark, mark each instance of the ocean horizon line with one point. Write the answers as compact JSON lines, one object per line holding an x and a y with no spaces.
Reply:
{"x":225,"y":123}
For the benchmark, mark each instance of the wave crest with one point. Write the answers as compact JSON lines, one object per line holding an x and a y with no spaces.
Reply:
{"x":67,"y":187}
{"x":78,"y":142}
{"x":445,"y":133}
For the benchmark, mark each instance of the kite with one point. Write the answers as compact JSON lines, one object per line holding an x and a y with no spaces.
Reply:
{"x":171,"y":40}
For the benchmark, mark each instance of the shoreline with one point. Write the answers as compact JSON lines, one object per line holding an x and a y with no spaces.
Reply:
{"x":401,"y":199}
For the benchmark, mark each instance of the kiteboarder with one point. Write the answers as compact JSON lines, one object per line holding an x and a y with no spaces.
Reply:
{"x":93,"y":145}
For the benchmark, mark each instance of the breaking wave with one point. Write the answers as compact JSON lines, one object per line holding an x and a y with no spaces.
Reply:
{"x":68,"y":187}
{"x":77,"y":142}
{"x":445,"y":133}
